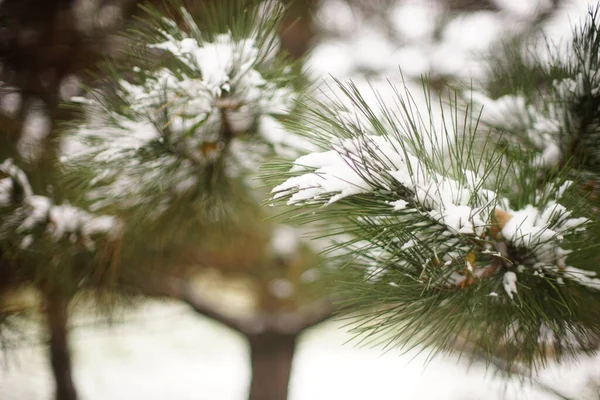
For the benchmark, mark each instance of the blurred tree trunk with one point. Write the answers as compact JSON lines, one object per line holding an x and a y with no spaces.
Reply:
{"x":271,"y":356}
{"x":60,"y":357}
{"x":271,"y":349}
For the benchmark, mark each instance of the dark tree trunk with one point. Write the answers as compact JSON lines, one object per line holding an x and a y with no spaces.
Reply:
{"x":60,"y":357}
{"x":271,"y":359}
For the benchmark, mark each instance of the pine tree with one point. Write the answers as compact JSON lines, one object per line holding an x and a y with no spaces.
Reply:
{"x":53,"y":250}
{"x":471,"y":222}
{"x":171,"y":141}
{"x":50,"y":244}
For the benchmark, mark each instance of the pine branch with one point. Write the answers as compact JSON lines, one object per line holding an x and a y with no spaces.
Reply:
{"x":439,"y":225}
{"x":292,"y":322}
{"x":178,"y":133}
{"x":58,"y":244}
{"x":179,"y":289}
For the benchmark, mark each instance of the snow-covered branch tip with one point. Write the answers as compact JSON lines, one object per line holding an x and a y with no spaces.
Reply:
{"x":219,"y":110}
{"x":463,"y":207}
{"x":557,"y":119}
{"x":31,"y":217}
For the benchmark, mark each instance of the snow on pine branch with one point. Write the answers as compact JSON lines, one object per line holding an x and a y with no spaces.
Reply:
{"x":222,"y":107}
{"x":452,"y":235}
{"x":560,"y":118}
{"x":28,"y":217}
{"x":542,"y":128}
{"x":470,"y":211}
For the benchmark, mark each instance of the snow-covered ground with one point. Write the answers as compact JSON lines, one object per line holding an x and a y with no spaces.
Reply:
{"x":165,"y":351}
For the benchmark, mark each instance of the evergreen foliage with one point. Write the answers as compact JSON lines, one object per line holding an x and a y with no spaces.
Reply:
{"x":175,"y":136}
{"x":51,"y":244}
{"x":471,"y":219}
{"x":162,"y":165}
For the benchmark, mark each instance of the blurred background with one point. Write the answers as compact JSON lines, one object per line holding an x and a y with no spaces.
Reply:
{"x":164,"y":351}
{"x":172,"y":346}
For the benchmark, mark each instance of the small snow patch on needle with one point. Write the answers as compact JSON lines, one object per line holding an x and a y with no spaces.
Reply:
{"x":510,"y":283}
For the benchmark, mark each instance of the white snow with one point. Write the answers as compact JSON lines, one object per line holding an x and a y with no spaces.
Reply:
{"x":414,"y":20}
{"x":399,"y":204}
{"x":224,"y":84}
{"x":462,"y":206}
{"x":336,"y":174}
{"x":462,"y":219}
{"x":36,"y":128}
{"x":217,"y":60}
{"x":100,"y":225}
{"x":509,"y":281}
{"x":558,"y":30}
{"x":401,"y":33}
{"x":583,"y":277}
{"x":6,"y":192}
{"x":284,"y":241}
{"x":542,"y":231}
{"x":281,"y":288}
{"x":337,"y":16}
{"x":415,"y":60}
{"x":58,"y":221}
{"x":65,"y":219}
{"x":10,"y":169}
{"x":524,"y":229}
{"x":70,"y":87}
{"x":27,"y":241}
{"x":332,"y":175}
{"x":523,"y":9}
{"x":10,"y":102}
{"x":108,"y":17}
{"x":509,"y":111}
{"x":124,"y":140}
{"x":38,"y":208}
{"x":578,"y":85}
{"x":285,"y":142}
{"x":374,"y":273}
{"x":166,"y":351}
{"x":370,"y":47}
{"x":473,"y":32}
{"x":310,"y":275}
{"x":330,"y":57}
